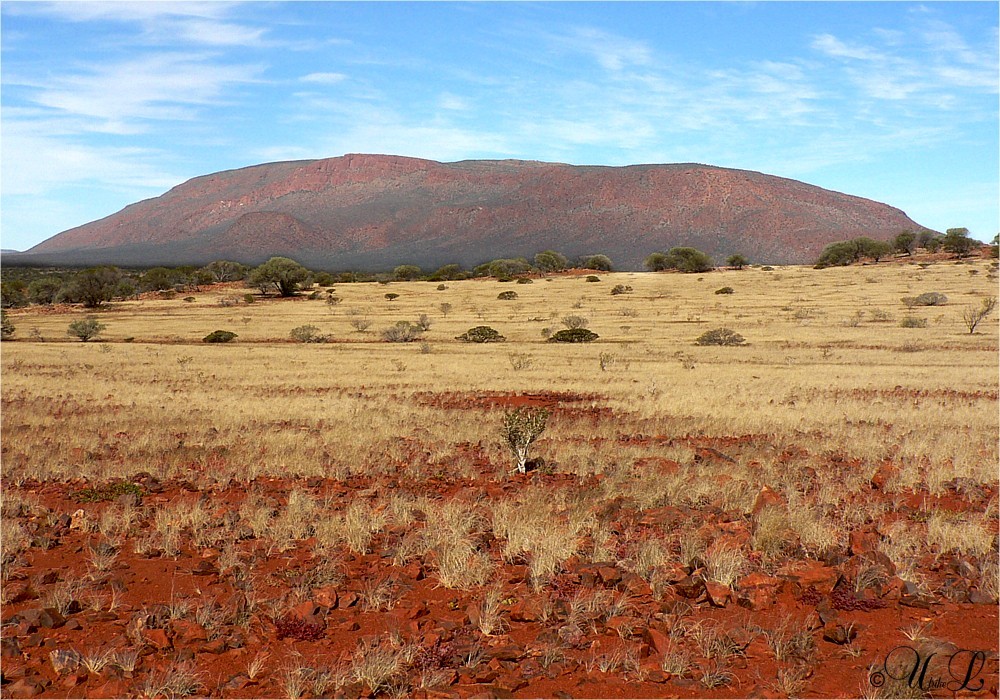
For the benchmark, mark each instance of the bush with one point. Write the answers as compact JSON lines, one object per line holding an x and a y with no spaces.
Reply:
{"x":621,"y":289}
{"x":525,"y":280}
{"x":931,"y":299}
{"x":6,"y":327}
{"x":520,"y":428}
{"x":402,"y":332}
{"x":360,"y":324}
{"x":189,"y":299}
{"x":219,"y":337}
{"x":249,"y":298}
{"x":85,"y":328}
{"x":573,"y":335}
{"x":767,"y":268}
{"x":442,"y":287}
{"x":596,"y":262}
{"x":720,"y":336}
{"x":593,"y":278}
{"x":307,"y":334}
{"x":283,"y":275}
{"x":575,"y":322}
{"x":507,"y":296}
{"x":481,"y":334}
{"x":913,"y":322}
{"x":724,"y":290}
{"x":972,"y":316}
{"x":391,"y":296}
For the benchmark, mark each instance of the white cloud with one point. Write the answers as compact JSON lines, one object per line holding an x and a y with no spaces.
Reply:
{"x":324,"y":78}
{"x":118,"y":97}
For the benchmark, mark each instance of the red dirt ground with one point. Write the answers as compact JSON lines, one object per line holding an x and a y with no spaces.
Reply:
{"x":542,"y":652}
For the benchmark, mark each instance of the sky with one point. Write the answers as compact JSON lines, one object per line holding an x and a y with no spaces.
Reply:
{"x":103,"y":104}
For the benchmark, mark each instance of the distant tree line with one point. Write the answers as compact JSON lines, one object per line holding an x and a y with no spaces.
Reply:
{"x":955,"y":241}
{"x":280,"y":276}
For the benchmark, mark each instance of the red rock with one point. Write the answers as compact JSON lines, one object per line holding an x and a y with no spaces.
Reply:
{"x":657,"y":640}
{"x":767,"y":497}
{"x":326,"y":597}
{"x":348,"y":600}
{"x":24,"y":688}
{"x":690,"y":587}
{"x":186,"y":632}
{"x":526,"y":611}
{"x":414,"y":571}
{"x":158,"y":638}
{"x":636,"y":585}
{"x":811,"y":573}
{"x":863,"y":541}
{"x":718,"y":594}
{"x":609,"y":575}
{"x":9,"y":648}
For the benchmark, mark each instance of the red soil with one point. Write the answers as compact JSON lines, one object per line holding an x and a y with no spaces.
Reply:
{"x":541,"y":653}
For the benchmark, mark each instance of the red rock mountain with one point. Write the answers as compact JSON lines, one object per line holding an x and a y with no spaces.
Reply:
{"x":374,"y":212}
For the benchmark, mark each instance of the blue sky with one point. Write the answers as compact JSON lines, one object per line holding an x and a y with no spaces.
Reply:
{"x":104,"y":104}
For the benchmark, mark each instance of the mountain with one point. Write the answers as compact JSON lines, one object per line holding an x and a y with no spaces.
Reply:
{"x":372,"y":212}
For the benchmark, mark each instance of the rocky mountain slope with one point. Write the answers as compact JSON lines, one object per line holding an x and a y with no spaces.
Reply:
{"x":375,"y":211}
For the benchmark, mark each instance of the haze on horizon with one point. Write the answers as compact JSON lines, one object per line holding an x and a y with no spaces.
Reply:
{"x":107,"y":103}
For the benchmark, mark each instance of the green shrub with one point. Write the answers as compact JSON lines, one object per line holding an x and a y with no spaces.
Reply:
{"x":767,"y":268}
{"x":573,"y":335}
{"x":931,"y":299}
{"x":307,"y":334}
{"x":481,"y":334}
{"x":391,"y":296}
{"x":621,"y":289}
{"x":507,"y":296}
{"x":593,"y":278}
{"x":219,"y":337}
{"x":85,"y":328}
{"x":249,"y":298}
{"x":6,"y":327}
{"x":720,"y":336}
{"x":525,"y":280}
{"x":402,"y":332}
{"x":724,"y":290}
{"x":913,"y":322}
{"x":109,"y":492}
{"x":442,"y":287}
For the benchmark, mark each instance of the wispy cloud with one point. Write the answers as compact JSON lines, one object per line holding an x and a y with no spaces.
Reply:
{"x":324,"y":78}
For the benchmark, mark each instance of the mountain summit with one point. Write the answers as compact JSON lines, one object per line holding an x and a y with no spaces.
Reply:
{"x":371,"y":212}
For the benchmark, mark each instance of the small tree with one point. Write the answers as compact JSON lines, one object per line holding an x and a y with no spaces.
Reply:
{"x":957,"y":241}
{"x":655,"y":262}
{"x":225,"y":271}
{"x":551,"y":261}
{"x":520,"y":428}
{"x":405,"y":273}
{"x":904,"y":242}
{"x":688,"y":260}
{"x":219,"y":337}
{"x":281,"y":274}
{"x":972,"y":315}
{"x":94,"y":286}
{"x":6,"y":327}
{"x":737,"y":261}
{"x":445,"y":308}
{"x":596,"y":262}
{"x":507,"y":296}
{"x":575,"y":322}
{"x":86,"y":328}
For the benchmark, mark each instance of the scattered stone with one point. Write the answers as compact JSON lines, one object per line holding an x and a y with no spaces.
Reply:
{"x":25,"y":688}
{"x":718,"y":594}
{"x":9,"y":648}
{"x":690,"y":587}
{"x":64,"y":660}
{"x":840,"y":634}
{"x":157,"y":638}
{"x":656,"y":640}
